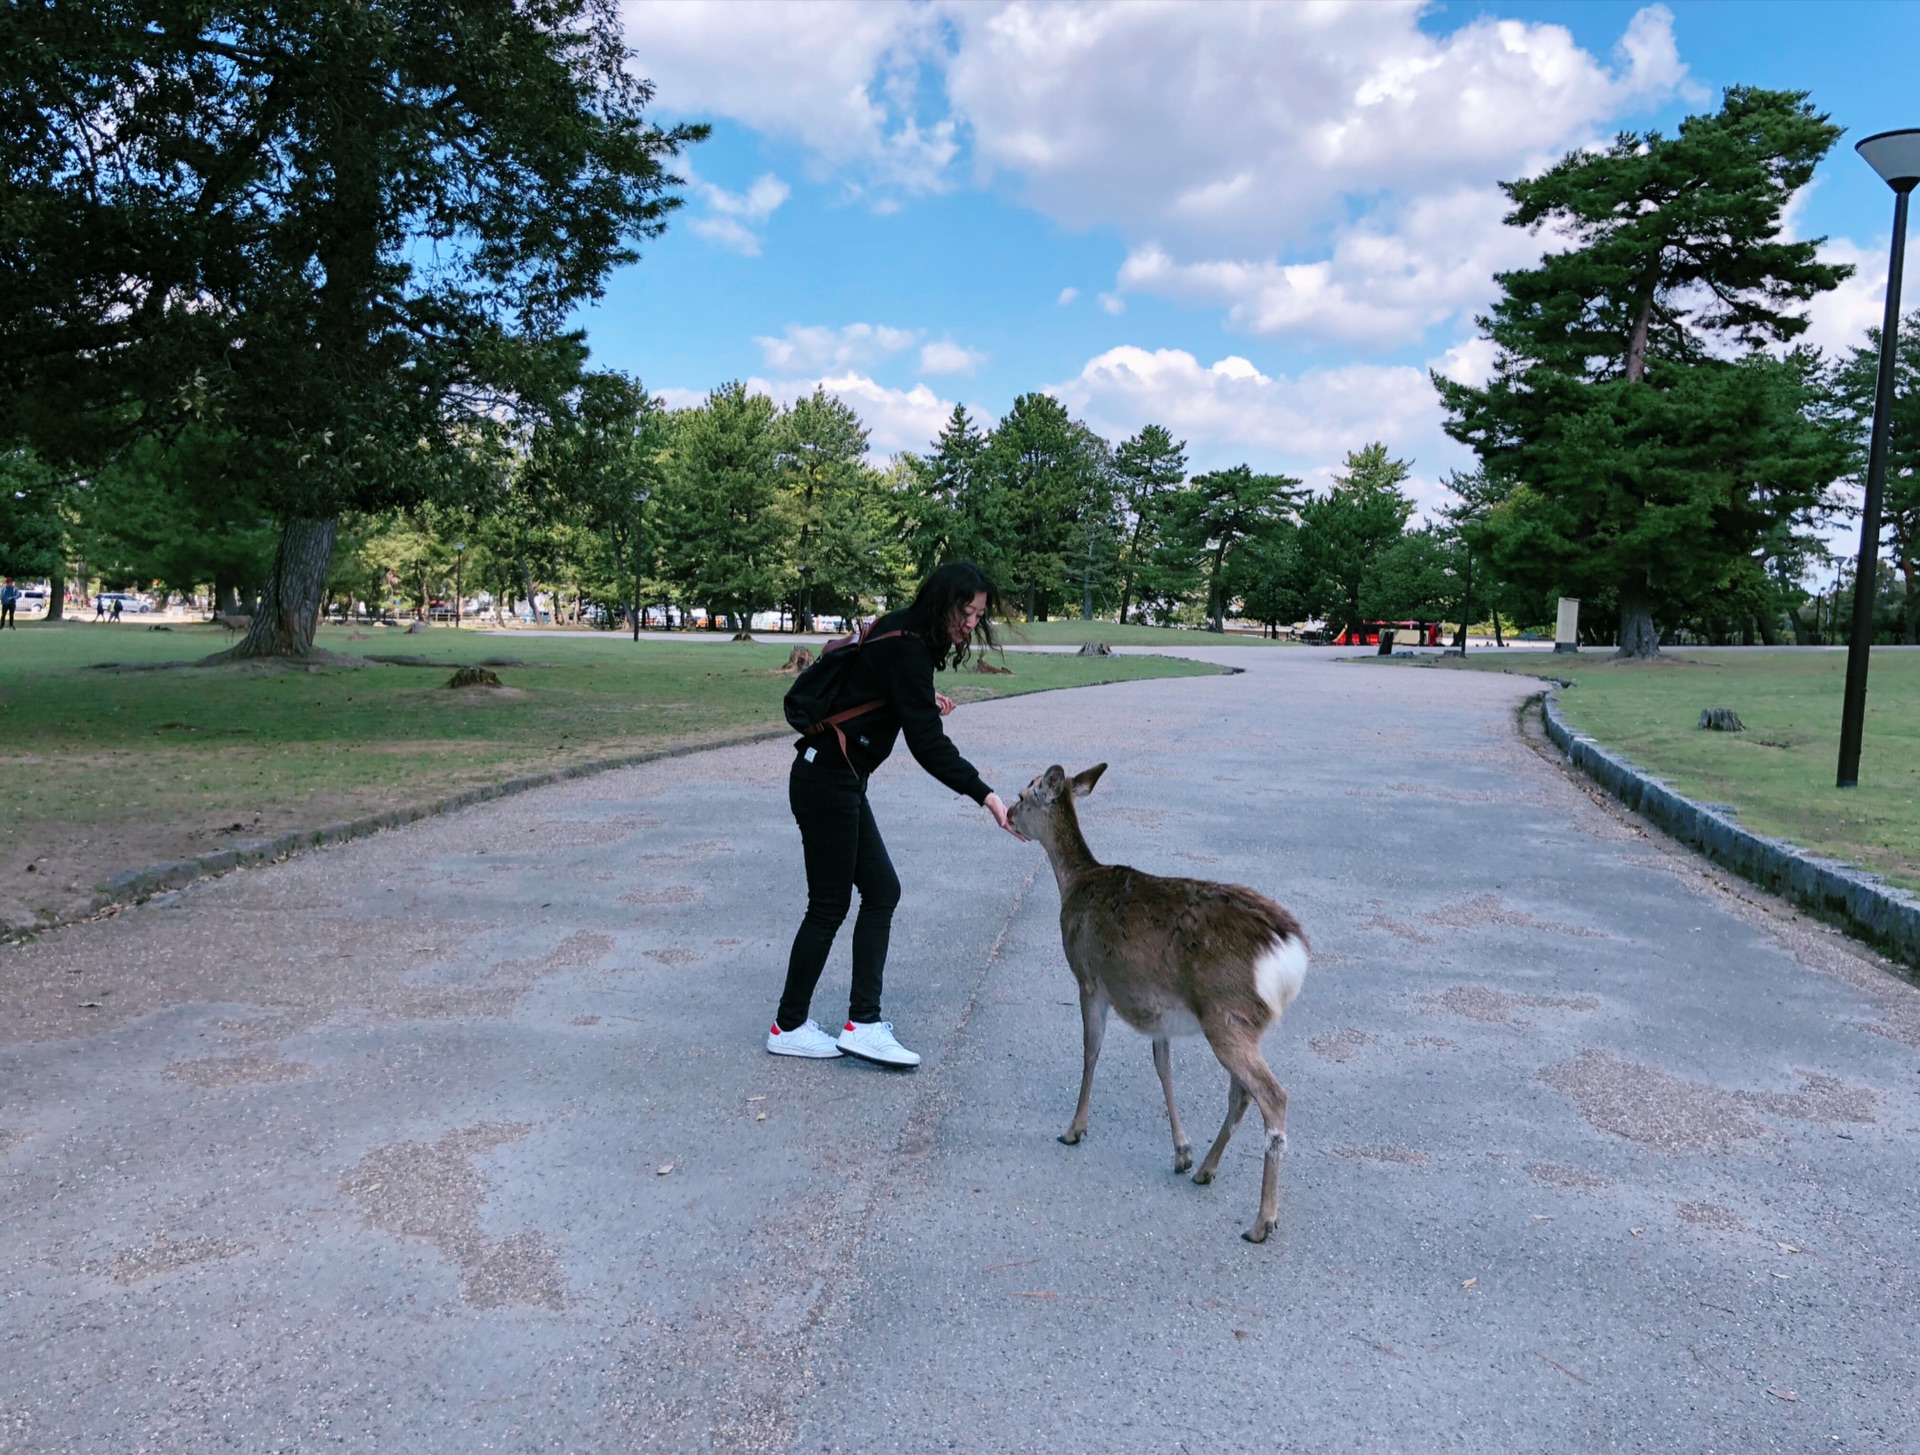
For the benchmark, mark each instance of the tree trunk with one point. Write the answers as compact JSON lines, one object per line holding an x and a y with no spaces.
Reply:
{"x":1769,"y":632}
{"x":289,"y":610}
{"x":1638,"y":639}
{"x":1910,"y":608}
{"x":56,"y":597}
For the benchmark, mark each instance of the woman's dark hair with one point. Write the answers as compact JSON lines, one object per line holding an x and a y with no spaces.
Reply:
{"x":951,"y":587}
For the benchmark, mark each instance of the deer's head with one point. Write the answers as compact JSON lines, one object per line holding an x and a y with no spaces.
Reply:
{"x":1047,"y":802}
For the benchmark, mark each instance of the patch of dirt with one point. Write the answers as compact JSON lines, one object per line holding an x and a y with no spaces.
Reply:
{"x":1410,"y":933}
{"x":335,"y":966}
{"x":1491,"y":909}
{"x":1392,"y":1156}
{"x":1823,"y":1099}
{"x":1711,"y":1216}
{"x":1647,"y":1105}
{"x":432,"y":1190}
{"x":672,"y":956}
{"x":668,"y":894}
{"x":584,"y":1020}
{"x":247,"y":1070}
{"x":137,"y":1265}
{"x":1341,"y":1045}
{"x":1496,"y":1007}
{"x":1570,"y":1178}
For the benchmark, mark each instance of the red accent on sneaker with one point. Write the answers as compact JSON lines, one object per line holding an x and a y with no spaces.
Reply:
{"x":849,"y":1025}
{"x":776,"y":1029}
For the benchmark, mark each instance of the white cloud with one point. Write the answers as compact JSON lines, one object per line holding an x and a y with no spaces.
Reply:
{"x":943,"y":356}
{"x":1067,"y":295}
{"x":732,"y":216}
{"x":1113,"y":303}
{"x":1230,"y":412}
{"x":1266,"y":117}
{"x":842,"y":79}
{"x":1840,"y":319}
{"x":1379,"y":288}
{"x":813,"y":348}
{"x":896,"y":419}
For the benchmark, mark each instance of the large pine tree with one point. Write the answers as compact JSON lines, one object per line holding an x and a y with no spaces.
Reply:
{"x":1646,"y":439}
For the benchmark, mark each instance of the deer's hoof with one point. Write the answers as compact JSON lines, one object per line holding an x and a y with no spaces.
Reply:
{"x":1258,"y":1232}
{"x":1203,"y":1177}
{"x":1071,"y":1139}
{"x":1182,"y":1158}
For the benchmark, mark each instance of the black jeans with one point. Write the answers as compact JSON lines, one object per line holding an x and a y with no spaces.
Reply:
{"x":844,"y":852}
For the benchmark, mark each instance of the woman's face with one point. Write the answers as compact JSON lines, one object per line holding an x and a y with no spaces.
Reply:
{"x":965,"y":617}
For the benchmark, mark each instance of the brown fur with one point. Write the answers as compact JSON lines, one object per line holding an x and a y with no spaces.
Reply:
{"x":1171,"y":956}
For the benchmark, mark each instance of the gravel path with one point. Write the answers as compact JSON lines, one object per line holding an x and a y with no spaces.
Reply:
{"x":461,"y":1138}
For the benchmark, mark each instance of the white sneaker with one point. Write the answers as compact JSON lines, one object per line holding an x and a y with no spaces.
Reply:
{"x":806,"y":1040}
{"x":874,"y":1042}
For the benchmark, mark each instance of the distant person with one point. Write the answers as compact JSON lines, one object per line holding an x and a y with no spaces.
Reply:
{"x":9,"y":593}
{"x":827,"y":791}
{"x":114,"y":615}
{"x":100,"y":607}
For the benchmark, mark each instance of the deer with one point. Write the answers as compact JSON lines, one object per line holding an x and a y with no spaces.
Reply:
{"x":1173,"y":957}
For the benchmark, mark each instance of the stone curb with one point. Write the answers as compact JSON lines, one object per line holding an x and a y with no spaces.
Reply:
{"x":131,"y":885}
{"x":1859,"y":902}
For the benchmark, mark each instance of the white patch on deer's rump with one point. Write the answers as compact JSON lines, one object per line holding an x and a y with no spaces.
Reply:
{"x":1279,"y":974}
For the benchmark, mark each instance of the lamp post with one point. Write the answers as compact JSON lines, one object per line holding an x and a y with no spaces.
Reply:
{"x":459,"y":556}
{"x":1895,"y":155}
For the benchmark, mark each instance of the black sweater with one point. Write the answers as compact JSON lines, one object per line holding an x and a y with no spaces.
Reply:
{"x":899,"y":674}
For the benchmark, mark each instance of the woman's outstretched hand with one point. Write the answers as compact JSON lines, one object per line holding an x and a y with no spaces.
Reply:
{"x":945,"y":703}
{"x":999,"y":811}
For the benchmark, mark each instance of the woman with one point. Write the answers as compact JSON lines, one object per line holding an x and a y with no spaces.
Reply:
{"x":827,"y":790}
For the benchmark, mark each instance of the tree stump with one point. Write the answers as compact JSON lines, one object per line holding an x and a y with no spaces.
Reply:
{"x":474,"y":677}
{"x":1721,"y":720}
{"x":743,"y":636}
{"x":983,"y":665}
{"x":798,"y":660}
{"x":1094,"y":649}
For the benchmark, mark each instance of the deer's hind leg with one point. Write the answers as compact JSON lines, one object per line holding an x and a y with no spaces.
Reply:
{"x":1238,"y":1047}
{"x":1237,"y":1100}
{"x":1093,"y":1028}
{"x":1163,"y":1063}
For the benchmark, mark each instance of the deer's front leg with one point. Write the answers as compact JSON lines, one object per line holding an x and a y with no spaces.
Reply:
{"x":1093,"y":1026}
{"x":1163,"y":1063}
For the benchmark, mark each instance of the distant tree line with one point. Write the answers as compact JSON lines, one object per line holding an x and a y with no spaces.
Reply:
{"x":283,"y":306}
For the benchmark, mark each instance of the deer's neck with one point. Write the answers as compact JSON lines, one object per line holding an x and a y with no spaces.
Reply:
{"x":1067,"y":849}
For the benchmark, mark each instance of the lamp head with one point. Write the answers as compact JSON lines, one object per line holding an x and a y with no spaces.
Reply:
{"x":1895,"y":155}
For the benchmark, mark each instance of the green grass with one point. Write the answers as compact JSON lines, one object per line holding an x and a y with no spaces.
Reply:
{"x":109,"y":769}
{"x":1072,"y":632}
{"x":1779,"y":772}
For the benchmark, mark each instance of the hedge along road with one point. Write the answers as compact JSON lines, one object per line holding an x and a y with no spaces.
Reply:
{"x":462,"y":1137}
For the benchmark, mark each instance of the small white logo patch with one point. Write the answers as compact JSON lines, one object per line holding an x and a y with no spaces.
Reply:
{"x":808,"y":755}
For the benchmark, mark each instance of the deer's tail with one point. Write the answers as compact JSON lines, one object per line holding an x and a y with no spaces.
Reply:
{"x":1280,"y":971}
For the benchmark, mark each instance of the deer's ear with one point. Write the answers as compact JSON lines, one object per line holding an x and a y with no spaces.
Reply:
{"x":1083,"y":782}
{"x":1055,"y":781}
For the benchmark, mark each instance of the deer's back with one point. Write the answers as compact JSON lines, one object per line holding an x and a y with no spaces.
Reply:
{"x":1161,"y":947}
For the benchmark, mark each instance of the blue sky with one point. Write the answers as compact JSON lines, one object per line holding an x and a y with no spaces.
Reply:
{"x":1258,"y":225}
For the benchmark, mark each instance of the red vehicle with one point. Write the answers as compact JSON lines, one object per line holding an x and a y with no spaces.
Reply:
{"x":1405,"y":634}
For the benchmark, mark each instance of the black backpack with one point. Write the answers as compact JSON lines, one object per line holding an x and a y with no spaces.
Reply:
{"x":809,"y":702}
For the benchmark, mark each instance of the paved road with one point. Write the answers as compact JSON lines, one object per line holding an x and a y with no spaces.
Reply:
{"x":370,"y":1151}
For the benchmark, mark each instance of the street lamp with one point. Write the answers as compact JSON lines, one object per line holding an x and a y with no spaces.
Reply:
{"x":1895,"y":155}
